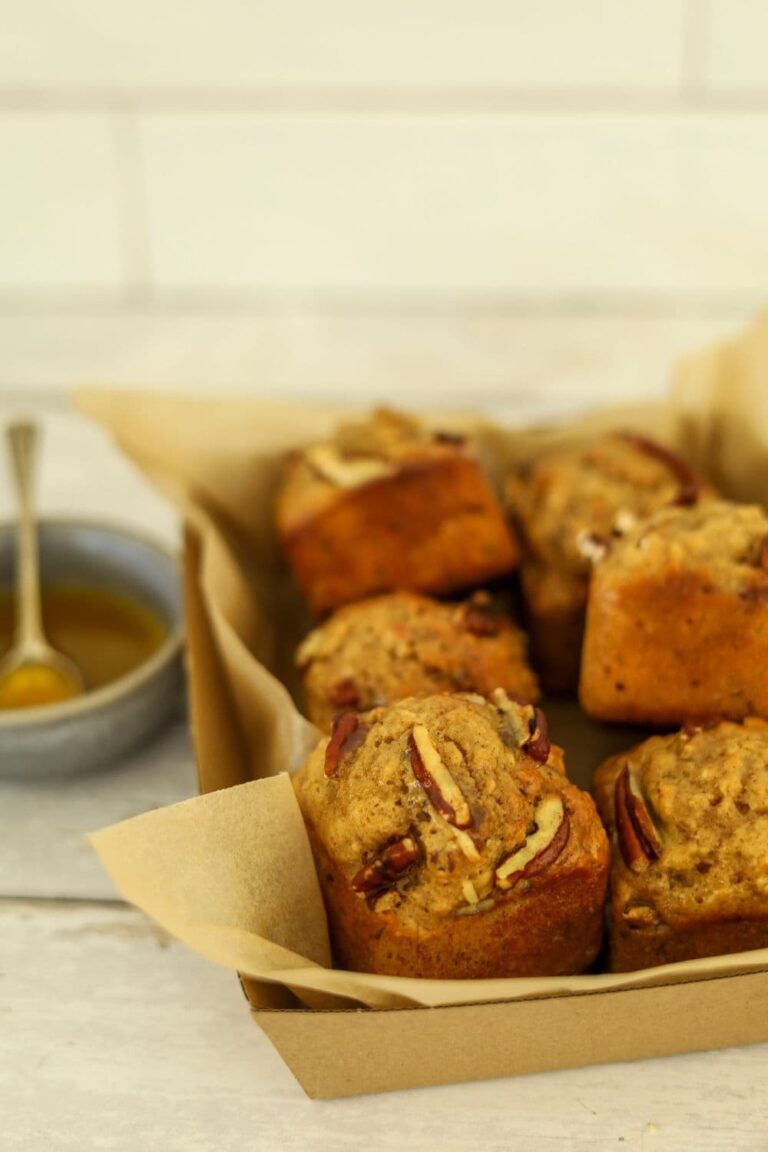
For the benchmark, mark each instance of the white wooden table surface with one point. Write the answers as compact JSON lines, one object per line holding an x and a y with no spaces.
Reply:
{"x":114,"y":1037}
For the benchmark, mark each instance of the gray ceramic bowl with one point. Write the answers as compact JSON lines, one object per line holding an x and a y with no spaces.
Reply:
{"x":96,"y":728}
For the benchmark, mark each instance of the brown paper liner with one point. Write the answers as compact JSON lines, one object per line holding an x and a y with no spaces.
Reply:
{"x":230,"y":873}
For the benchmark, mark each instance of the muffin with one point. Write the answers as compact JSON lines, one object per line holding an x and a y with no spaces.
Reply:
{"x":688,"y":817}
{"x":677,"y":623}
{"x":565,"y":504}
{"x":390,"y":504}
{"x":449,"y":844}
{"x":402,"y":644}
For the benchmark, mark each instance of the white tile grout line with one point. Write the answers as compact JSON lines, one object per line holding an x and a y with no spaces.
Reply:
{"x":692,"y":98}
{"x":368,"y":304}
{"x":696,"y":48}
{"x":132,"y":206}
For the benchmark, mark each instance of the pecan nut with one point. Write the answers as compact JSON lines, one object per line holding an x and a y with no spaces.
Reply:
{"x":638,"y":839}
{"x":690,"y":483}
{"x":540,"y":849}
{"x":345,"y":693}
{"x":528,"y":723}
{"x":538,"y":745}
{"x":344,"y":472}
{"x":390,"y":864}
{"x":442,"y":790}
{"x":479,"y":617}
{"x":342,"y":740}
{"x":451,"y":439}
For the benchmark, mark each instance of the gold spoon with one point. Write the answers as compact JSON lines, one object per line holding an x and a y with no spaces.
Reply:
{"x":32,"y":672}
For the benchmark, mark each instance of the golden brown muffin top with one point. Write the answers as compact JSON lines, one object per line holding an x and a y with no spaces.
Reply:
{"x":383,"y":649}
{"x":688,"y":814}
{"x":729,"y":540}
{"x":579,"y":495}
{"x":446,"y":805}
{"x":361,"y":452}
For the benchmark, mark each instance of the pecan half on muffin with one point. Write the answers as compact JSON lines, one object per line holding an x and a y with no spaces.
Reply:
{"x":688,"y":816}
{"x":402,"y":644}
{"x":677,"y":624}
{"x":566,"y":504}
{"x":449,"y":843}
{"x":390,"y":504}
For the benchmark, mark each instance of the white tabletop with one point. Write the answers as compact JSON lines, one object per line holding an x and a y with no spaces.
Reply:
{"x":114,"y":1037}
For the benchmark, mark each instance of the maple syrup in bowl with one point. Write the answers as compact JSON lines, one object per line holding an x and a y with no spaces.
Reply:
{"x":111,"y":602}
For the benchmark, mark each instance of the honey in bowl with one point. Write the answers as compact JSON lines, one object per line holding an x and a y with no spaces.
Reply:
{"x":106,"y":633}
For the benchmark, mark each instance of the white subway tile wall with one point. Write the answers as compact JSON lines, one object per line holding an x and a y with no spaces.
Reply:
{"x":59,"y":219}
{"x":488,"y":201}
{"x":527,"y":205}
{"x":224,"y":46}
{"x":736,"y":59}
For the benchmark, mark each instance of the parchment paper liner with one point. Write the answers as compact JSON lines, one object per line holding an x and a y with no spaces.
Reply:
{"x":230,"y":873}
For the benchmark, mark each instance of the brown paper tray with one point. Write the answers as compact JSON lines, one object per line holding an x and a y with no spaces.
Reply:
{"x":338,"y":1052}
{"x":234,"y":904}
{"x":347,"y":1053}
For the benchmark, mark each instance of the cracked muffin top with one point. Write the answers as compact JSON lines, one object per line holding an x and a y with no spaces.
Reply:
{"x":381,"y":650}
{"x":360,"y":452}
{"x":688,"y":813}
{"x":575,"y":497}
{"x":446,"y":806}
{"x":729,"y":540}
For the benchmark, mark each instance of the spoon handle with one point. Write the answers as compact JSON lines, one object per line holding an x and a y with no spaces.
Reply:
{"x":22,"y":444}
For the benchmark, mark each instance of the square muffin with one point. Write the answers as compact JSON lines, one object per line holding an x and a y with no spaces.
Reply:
{"x":565,"y":504}
{"x":389,"y":504}
{"x":688,"y":818}
{"x":677,"y":621}
{"x":402,"y":644}
{"x":449,"y":843}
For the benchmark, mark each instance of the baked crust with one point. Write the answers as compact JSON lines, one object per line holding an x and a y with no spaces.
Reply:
{"x":677,"y":621}
{"x":382,"y":510}
{"x":381,"y":650}
{"x":567,"y":505}
{"x":491,"y":883}
{"x":702,"y":889}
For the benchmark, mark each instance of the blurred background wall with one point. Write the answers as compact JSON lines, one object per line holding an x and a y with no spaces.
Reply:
{"x":491,"y":201}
